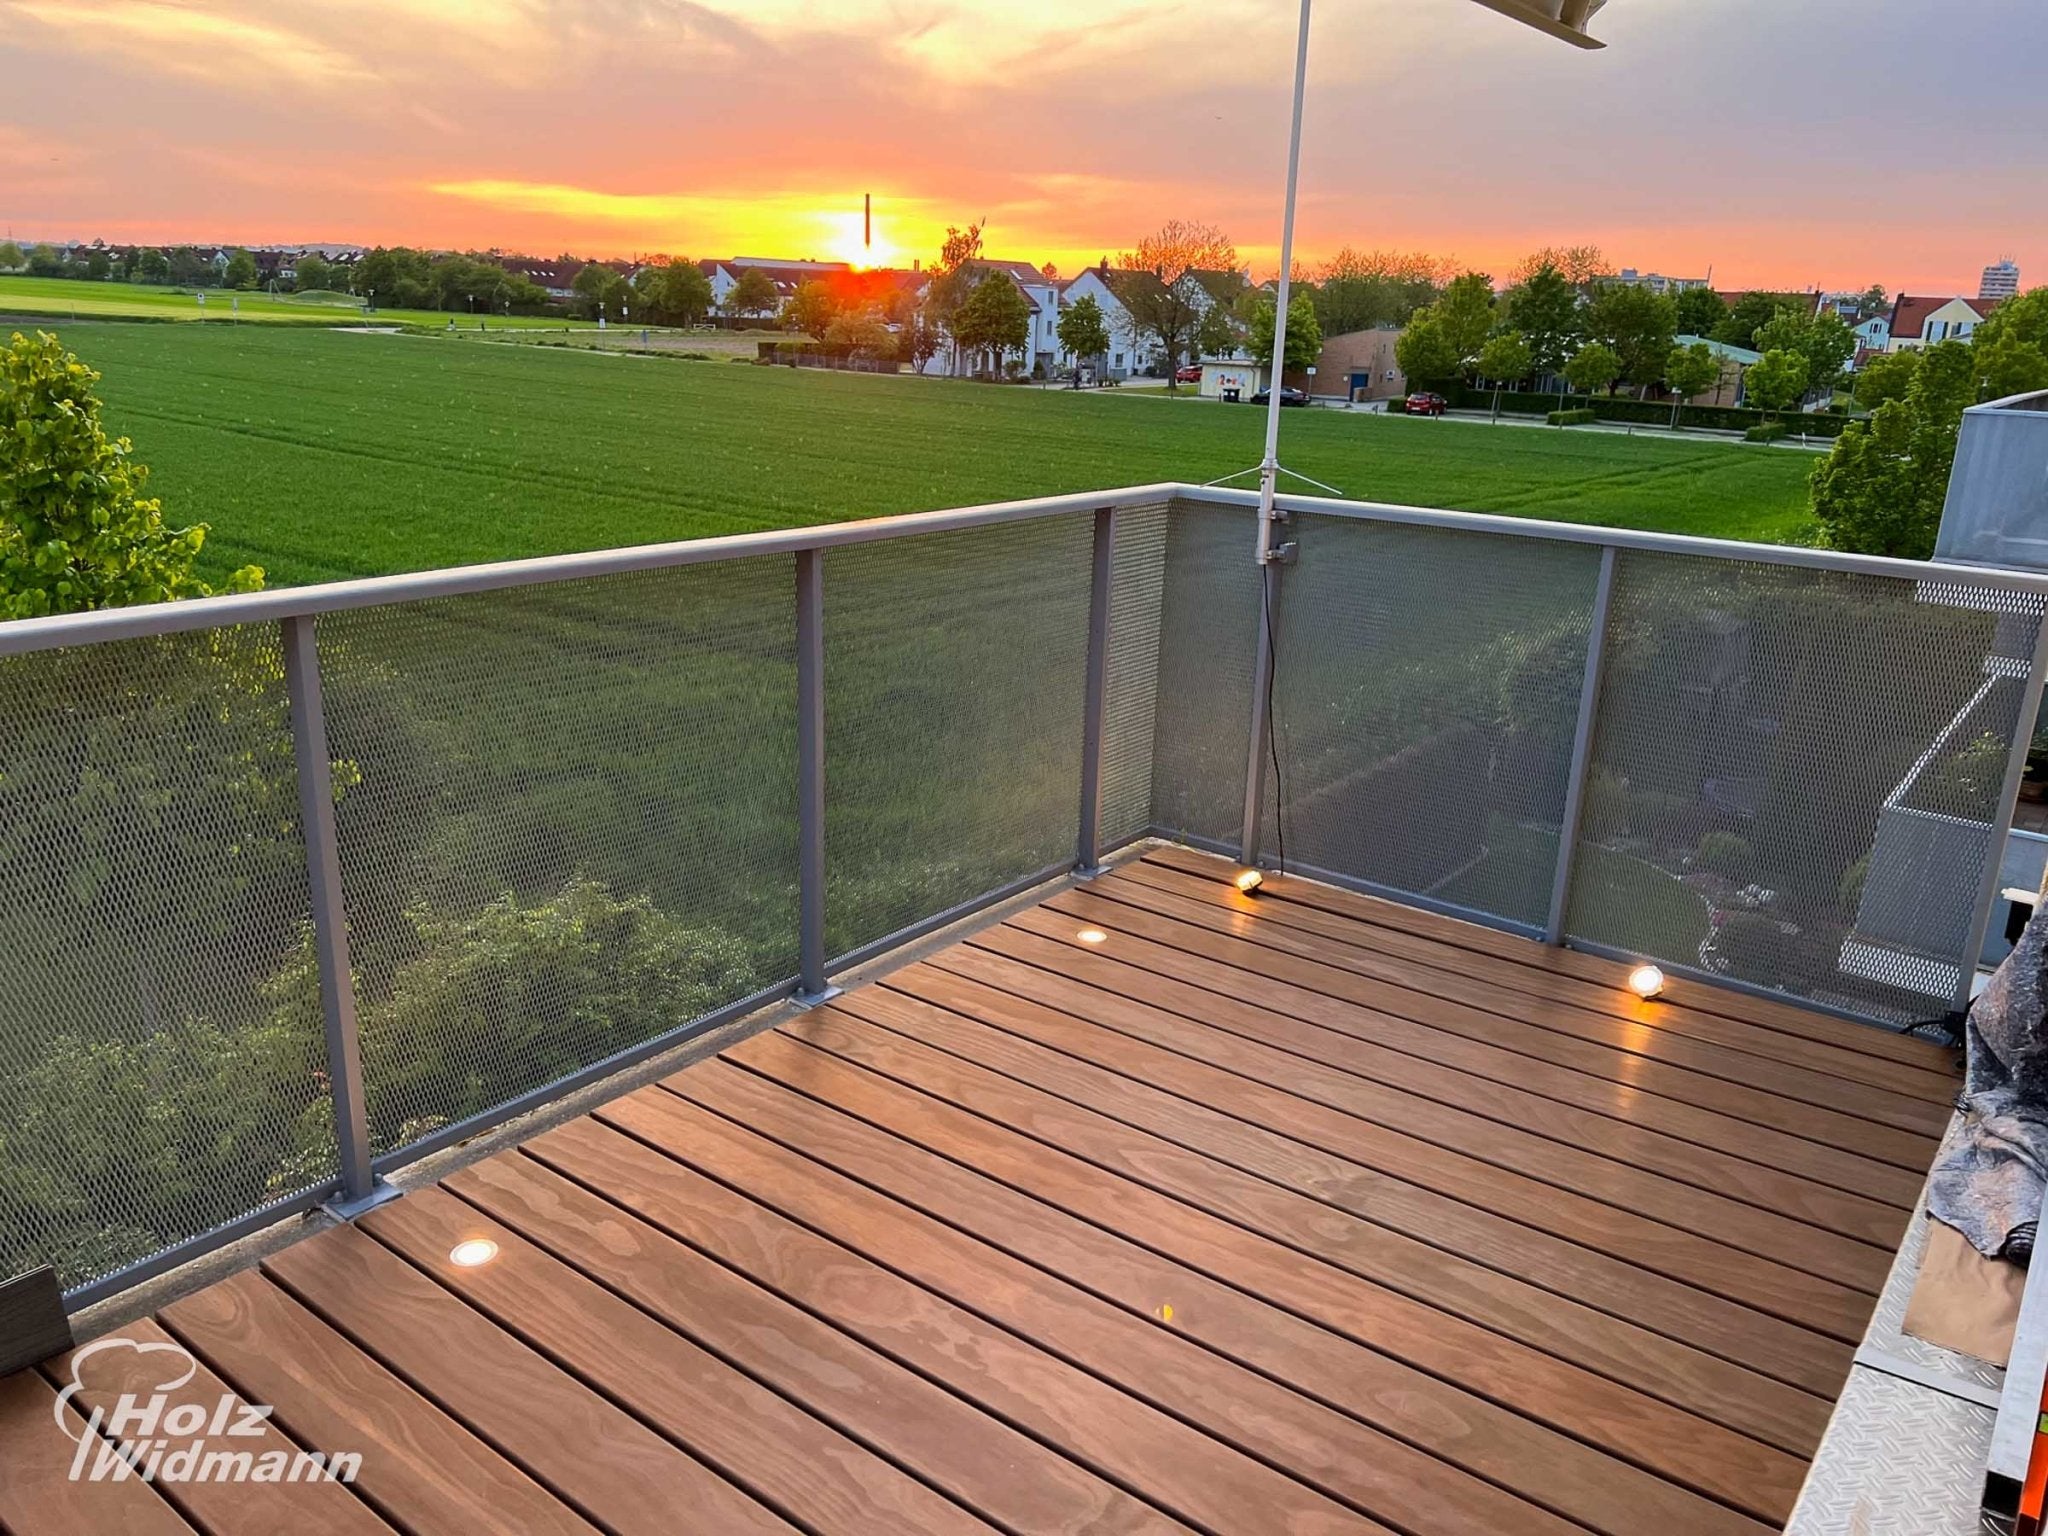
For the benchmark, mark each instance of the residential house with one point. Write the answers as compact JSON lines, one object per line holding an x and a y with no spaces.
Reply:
{"x":1921,"y":322}
{"x":1132,"y":351}
{"x":786,"y":276}
{"x":1357,"y":366}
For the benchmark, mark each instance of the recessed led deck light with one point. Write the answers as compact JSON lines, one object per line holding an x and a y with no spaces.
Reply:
{"x":1646,"y":981}
{"x":1250,"y":881}
{"x":1092,"y":936}
{"x":473,"y":1253}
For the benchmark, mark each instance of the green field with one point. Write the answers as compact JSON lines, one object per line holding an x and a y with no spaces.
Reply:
{"x":68,"y":298}
{"x":325,"y":454}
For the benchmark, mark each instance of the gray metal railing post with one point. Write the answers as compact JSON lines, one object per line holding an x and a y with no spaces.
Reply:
{"x":2001,"y":821}
{"x":360,"y":1188}
{"x":1262,"y":723}
{"x":812,"y":986}
{"x":1088,"y":855}
{"x":1582,"y":751}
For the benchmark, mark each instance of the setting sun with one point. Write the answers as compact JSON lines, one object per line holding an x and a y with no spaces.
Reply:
{"x":845,"y":239}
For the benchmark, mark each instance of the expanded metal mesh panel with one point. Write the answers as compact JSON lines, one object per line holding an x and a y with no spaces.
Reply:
{"x":955,"y":676}
{"x":1131,"y":702}
{"x":1426,"y":694}
{"x":1208,"y":636}
{"x":1796,"y":774}
{"x":161,"y":1044}
{"x":567,"y":824}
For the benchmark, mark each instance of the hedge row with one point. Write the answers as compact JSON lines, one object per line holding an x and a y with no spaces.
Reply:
{"x":1579,"y":418}
{"x":1648,"y":412}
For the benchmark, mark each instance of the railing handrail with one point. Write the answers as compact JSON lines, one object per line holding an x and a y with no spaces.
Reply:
{"x":23,"y":636}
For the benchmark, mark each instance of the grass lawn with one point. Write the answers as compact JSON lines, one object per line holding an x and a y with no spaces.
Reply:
{"x":70,"y":298}
{"x":319,"y":454}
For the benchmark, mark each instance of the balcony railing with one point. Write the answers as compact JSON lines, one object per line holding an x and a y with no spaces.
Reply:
{"x":301,"y":886}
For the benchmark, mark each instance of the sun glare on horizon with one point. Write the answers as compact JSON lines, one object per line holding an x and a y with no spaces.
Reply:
{"x":845,"y":239}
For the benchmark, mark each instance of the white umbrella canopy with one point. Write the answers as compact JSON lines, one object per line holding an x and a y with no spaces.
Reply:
{"x":1567,"y":19}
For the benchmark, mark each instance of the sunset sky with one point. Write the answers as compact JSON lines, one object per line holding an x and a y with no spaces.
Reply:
{"x":1784,"y":142}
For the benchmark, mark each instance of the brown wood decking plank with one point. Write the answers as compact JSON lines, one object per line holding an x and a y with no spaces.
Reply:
{"x":791,"y":1462}
{"x":1683,"y":992}
{"x":1600,"y":1116}
{"x":1179,"y":1467}
{"x":39,"y":1497}
{"x":1217,"y":954}
{"x":1316,"y":934}
{"x":1004,"y":1181}
{"x":425,"y":1471}
{"x":141,"y":1360}
{"x":1210,"y":985}
{"x":1147,"y":1338}
{"x":1729,"y":1225}
{"x":856,"y":1030}
{"x":1135,"y":1065}
{"x":979,"y":1460}
{"x":590,"y":1452}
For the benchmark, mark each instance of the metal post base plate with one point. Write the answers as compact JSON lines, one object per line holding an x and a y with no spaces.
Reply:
{"x":815,"y":999}
{"x":379,"y":1193}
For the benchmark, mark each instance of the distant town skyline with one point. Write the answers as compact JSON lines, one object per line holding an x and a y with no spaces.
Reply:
{"x":1818,"y":144}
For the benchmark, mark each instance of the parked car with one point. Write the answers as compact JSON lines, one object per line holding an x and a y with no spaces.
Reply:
{"x":1289,"y":395}
{"x":1424,"y":403}
{"x":1191,"y":374}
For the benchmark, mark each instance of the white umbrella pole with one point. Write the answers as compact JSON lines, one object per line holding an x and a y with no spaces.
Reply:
{"x":1269,"y":473}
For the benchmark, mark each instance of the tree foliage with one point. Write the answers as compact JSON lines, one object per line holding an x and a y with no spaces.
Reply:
{"x":240,"y":272}
{"x":1824,"y":340}
{"x":11,"y":258}
{"x":810,"y":309}
{"x":1160,"y":284}
{"x":1751,"y":313}
{"x":76,"y":530}
{"x":1595,"y":366}
{"x":1778,"y":380}
{"x":1886,"y":377}
{"x":1083,"y":329}
{"x":864,"y":331}
{"x":1580,"y":265}
{"x":1304,"y":332}
{"x":1691,"y":371}
{"x":1507,"y":358}
{"x":2012,"y":347}
{"x":1882,"y":488}
{"x":679,"y":293}
{"x":1357,"y":290}
{"x":1638,"y":325}
{"x":1425,"y":352}
{"x":1700,"y":311}
{"x":995,"y":320}
{"x":1544,"y":307}
{"x":752,"y":293}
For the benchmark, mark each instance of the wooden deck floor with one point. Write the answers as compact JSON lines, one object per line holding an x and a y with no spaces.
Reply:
{"x":1154,"y":1208}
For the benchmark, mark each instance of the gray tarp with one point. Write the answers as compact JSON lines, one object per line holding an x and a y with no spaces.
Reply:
{"x":1989,"y":1183}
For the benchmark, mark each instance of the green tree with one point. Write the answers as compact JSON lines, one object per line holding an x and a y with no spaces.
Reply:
{"x":995,"y":320}
{"x":240,"y":271}
{"x":2011,"y":347}
{"x":1544,"y":307}
{"x":681,"y":293}
{"x":1700,"y":310}
{"x":1220,"y":335}
{"x":1425,"y":352}
{"x":1777,"y":382}
{"x":44,"y":261}
{"x":1882,"y":488}
{"x":1466,"y":315}
{"x":1886,"y":377}
{"x":1825,"y":341}
{"x":312,"y":271}
{"x":1304,"y":332}
{"x":810,"y":309}
{"x":76,"y":531}
{"x":1690,"y":371}
{"x":1592,"y":368}
{"x":1506,"y":359}
{"x":99,"y":266}
{"x":751,"y":294}
{"x":1083,"y":332}
{"x":1355,"y":291}
{"x":11,"y":259}
{"x":1751,"y":313}
{"x":953,"y":276}
{"x":153,"y":266}
{"x":1640,"y":326}
{"x":863,"y":331}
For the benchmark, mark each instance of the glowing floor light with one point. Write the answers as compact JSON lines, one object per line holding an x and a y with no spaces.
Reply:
{"x":473,"y":1253}
{"x":1646,"y":981}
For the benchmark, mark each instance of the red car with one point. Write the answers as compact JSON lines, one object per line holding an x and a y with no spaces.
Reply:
{"x":1423,"y":403}
{"x":1191,"y":374}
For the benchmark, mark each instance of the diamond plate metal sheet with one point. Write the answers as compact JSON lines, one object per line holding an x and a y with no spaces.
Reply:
{"x":1795,"y":775}
{"x":1899,"y":1459}
{"x":1426,"y":697}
